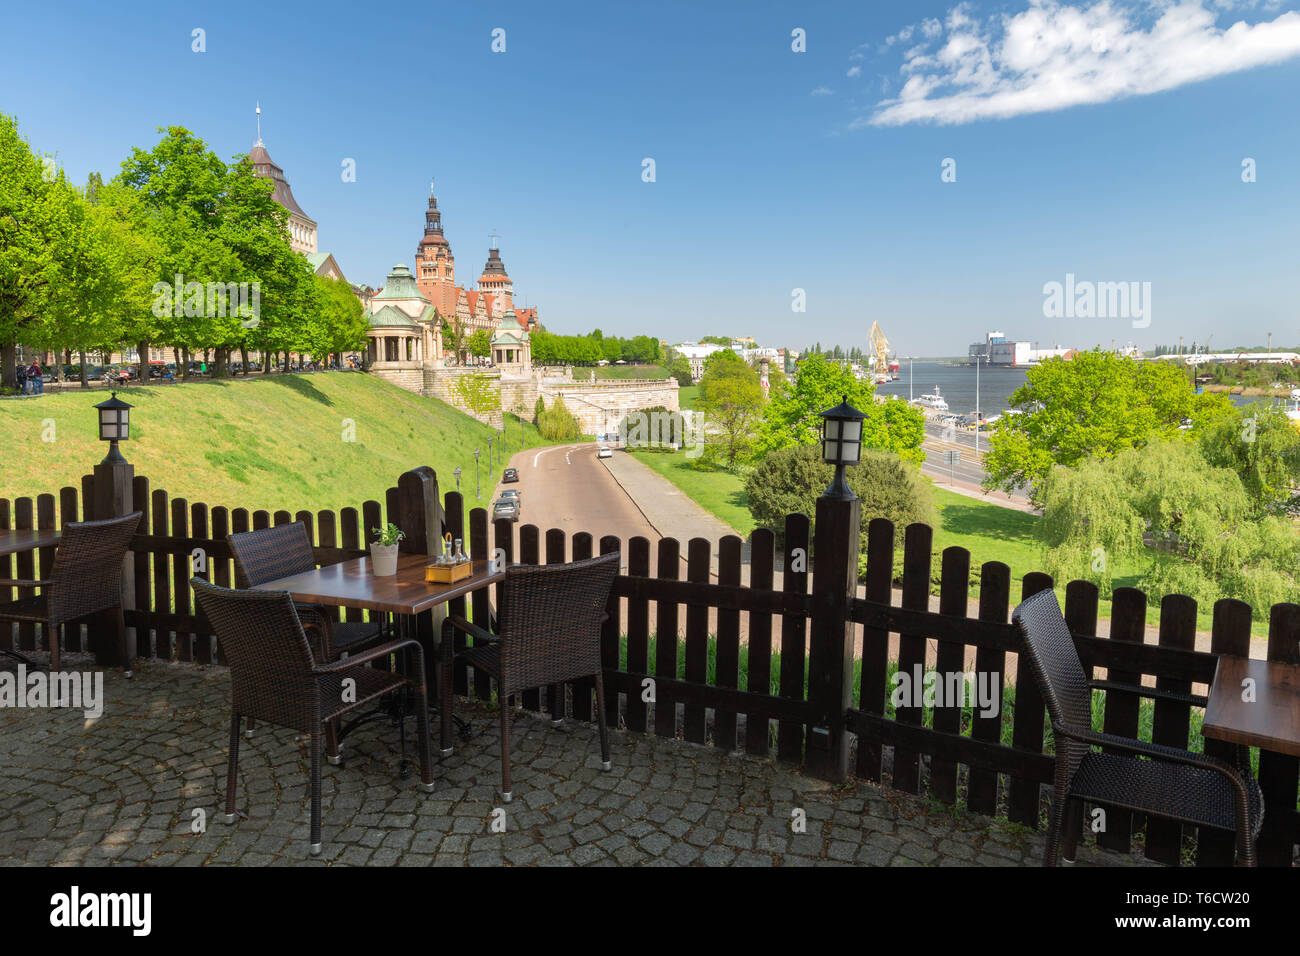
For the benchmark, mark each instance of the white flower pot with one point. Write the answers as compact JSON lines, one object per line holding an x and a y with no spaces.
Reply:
{"x":383,"y":559}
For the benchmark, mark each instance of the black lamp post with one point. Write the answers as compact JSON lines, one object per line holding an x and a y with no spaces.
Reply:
{"x":457,"y":474}
{"x":477,"y":494}
{"x":491,"y":460}
{"x":841,"y":444}
{"x":114,"y":426}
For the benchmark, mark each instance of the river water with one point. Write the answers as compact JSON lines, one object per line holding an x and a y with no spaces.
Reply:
{"x":957,"y":385}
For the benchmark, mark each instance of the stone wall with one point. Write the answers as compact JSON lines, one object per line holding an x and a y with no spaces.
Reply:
{"x":598,"y":406}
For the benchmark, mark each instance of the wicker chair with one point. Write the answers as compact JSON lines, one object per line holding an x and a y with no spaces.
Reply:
{"x":273,"y":553}
{"x":86,"y":579}
{"x":549,"y":633}
{"x":1179,"y":784}
{"x":274,"y":677}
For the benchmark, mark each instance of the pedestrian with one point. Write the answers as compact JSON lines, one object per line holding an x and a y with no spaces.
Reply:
{"x":22,"y":379}
{"x":37,"y":379}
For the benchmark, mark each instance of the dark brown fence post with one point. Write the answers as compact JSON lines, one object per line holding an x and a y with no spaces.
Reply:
{"x":830,"y":646}
{"x":1279,"y":774}
{"x":114,"y":497}
{"x":1230,"y":634}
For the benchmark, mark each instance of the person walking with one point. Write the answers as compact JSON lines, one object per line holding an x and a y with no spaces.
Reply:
{"x":22,"y":379}
{"x":37,"y":378}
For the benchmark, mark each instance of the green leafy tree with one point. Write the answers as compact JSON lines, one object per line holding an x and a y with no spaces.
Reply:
{"x":1190,"y":526}
{"x":731,"y":399}
{"x":454,"y":337}
{"x":793,"y":414}
{"x":1262,"y":447}
{"x":790,"y":480}
{"x":1095,"y":404}
{"x":480,"y":343}
{"x":557,"y":423}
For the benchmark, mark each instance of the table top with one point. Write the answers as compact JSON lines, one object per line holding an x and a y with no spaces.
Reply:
{"x":12,"y":542}
{"x":1271,"y":720}
{"x":352,"y":584}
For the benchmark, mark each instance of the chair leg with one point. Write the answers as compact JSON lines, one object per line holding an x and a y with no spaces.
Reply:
{"x":605,"y":763}
{"x":506,"y":793}
{"x":315,"y":791}
{"x":446,"y":701}
{"x":1073,"y":825}
{"x":54,"y":637}
{"x":119,"y":627}
{"x":249,"y":727}
{"x":426,"y":744}
{"x":333,"y":751}
{"x":232,"y":770}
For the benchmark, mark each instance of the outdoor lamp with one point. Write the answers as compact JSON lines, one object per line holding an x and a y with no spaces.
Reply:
{"x":114,"y":425}
{"x":457,"y":474}
{"x":841,"y":444}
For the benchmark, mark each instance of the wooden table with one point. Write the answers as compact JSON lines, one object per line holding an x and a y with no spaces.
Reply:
{"x":352,"y":584}
{"x":1271,"y":721}
{"x":14,"y":542}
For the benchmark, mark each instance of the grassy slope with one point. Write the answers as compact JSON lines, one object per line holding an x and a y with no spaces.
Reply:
{"x":688,"y":396}
{"x":622,"y":371}
{"x":268,"y":443}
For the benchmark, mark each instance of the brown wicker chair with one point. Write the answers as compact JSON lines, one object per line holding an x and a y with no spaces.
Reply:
{"x":549,"y":633}
{"x":274,"y":677}
{"x":86,"y":579}
{"x":1178,"y":784}
{"x":269,"y":554}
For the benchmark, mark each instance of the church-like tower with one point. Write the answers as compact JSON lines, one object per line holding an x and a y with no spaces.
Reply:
{"x":496,"y":282}
{"x":302,"y":228}
{"x":435,"y":266}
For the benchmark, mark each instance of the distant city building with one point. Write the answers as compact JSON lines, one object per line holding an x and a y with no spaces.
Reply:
{"x":696,"y":354}
{"x":482,"y":306}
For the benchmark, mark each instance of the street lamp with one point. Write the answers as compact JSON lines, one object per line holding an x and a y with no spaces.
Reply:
{"x":114,"y":425}
{"x":477,"y":492}
{"x":841,"y":444}
{"x":491,"y":460}
{"x":457,"y":474}
{"x":977,"y":404}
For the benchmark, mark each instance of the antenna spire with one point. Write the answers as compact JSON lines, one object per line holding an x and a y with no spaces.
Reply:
{"x":259,"y":124}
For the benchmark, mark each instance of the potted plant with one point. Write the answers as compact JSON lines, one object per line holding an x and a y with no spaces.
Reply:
{"x":383,"y":550}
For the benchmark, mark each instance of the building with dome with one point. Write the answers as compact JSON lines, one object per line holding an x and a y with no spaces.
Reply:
{"x":404,"y":332}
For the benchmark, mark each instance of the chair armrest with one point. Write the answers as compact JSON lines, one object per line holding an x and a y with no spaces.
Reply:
{"x":1155,"y":751}
{"x":460,"y":624}
{"x":373,"y":653}
{"x":23,"y":583}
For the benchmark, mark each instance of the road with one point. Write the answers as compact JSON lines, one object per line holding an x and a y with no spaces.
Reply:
{"x":965,"y":477}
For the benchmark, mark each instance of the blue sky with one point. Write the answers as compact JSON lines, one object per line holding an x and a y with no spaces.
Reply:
{"x":1100,"y":139}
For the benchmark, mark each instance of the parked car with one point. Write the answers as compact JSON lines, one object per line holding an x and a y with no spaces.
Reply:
{"x":509,"y":475}
{"x":505,"y":508}
{"x":512,"y":494}
{"x":605,"y":452}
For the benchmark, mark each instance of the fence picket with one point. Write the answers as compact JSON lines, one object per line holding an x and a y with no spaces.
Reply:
{"x":584,"y":689}
{"x":1279,"y":774}
{"x":1171,"y":720}
{"x":668,"y":567}
{"x":794,"y":634}
{"x":1027,"y":725}
{"x":727,"y":654}
{"x":699,"y":552}
{"x":954,"y":585}
{"x":638,"y":629}
{"x":1128,"y":619}
{"x":917,"y":541}
{"x":762,"y":558}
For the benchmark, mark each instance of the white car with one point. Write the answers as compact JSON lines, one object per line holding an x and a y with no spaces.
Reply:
{"x":605,"y":452}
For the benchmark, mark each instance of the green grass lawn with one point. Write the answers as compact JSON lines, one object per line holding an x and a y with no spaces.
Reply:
{"x":622,"y":371}
{"x":688,"y":396}
{"x":718,"y":492}
{"x":320,"y":441}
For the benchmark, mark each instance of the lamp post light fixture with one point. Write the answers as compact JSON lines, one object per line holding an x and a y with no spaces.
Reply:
{"x":841,"y":444}
{"x":477,"y":493}
{"x":491,"y":460}
{"x":457,"y":474}
{"x":114,"y":425}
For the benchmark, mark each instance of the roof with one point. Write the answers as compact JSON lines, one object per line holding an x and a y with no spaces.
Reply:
{"x":391,"y":317}
{"x":320,"y":260}
{"x":494,"y":266}
{"x":401,"y":285}
{"x":263,"y":165}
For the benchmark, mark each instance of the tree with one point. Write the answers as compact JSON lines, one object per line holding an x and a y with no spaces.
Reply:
{"x":480,"y":343}
{"x":340,"y":324}
{"x":1096,"y":404}
{"x":454,"y":339}
{"x":679,"y":368}
{"x":793,"y":414}
{"x":476,"y":392}
{"x":730,"y":398}
{"x":790,"y":480}
{"x":557,"y":422}
{"x":1262,"y":447}
{"x":1190,"y":527}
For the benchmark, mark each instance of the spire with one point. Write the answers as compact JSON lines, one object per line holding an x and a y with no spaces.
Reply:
{"x":259,"y":124}
{"x":492,"y":240}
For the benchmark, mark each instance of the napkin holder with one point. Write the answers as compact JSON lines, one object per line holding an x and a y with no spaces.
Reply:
{"x":448,"y":573}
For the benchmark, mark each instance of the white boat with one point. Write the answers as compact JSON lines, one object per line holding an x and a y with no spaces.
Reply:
{"x":933,"y":402}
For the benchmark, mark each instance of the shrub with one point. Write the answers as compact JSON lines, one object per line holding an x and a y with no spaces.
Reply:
{"x":557,"y":422}
{"x":791,"y":480}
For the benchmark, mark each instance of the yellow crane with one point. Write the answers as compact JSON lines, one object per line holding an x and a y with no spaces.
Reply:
{"x":880,"y":353}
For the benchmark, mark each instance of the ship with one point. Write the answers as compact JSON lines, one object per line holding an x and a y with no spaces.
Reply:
{"x":931,"y":401}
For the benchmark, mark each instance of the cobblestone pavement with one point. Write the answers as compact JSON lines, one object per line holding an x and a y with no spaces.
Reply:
{"x":130,"y":786}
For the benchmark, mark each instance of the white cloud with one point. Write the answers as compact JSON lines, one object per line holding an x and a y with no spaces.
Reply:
{"x":854,"y":71}
{"x":822,"y":91}
{"x":1053,"y":55}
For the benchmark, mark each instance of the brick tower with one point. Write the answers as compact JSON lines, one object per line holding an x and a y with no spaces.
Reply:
{"x":435,"y":266}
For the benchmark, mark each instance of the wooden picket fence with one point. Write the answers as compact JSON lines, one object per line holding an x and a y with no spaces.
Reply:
{"x":670,"y":672}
